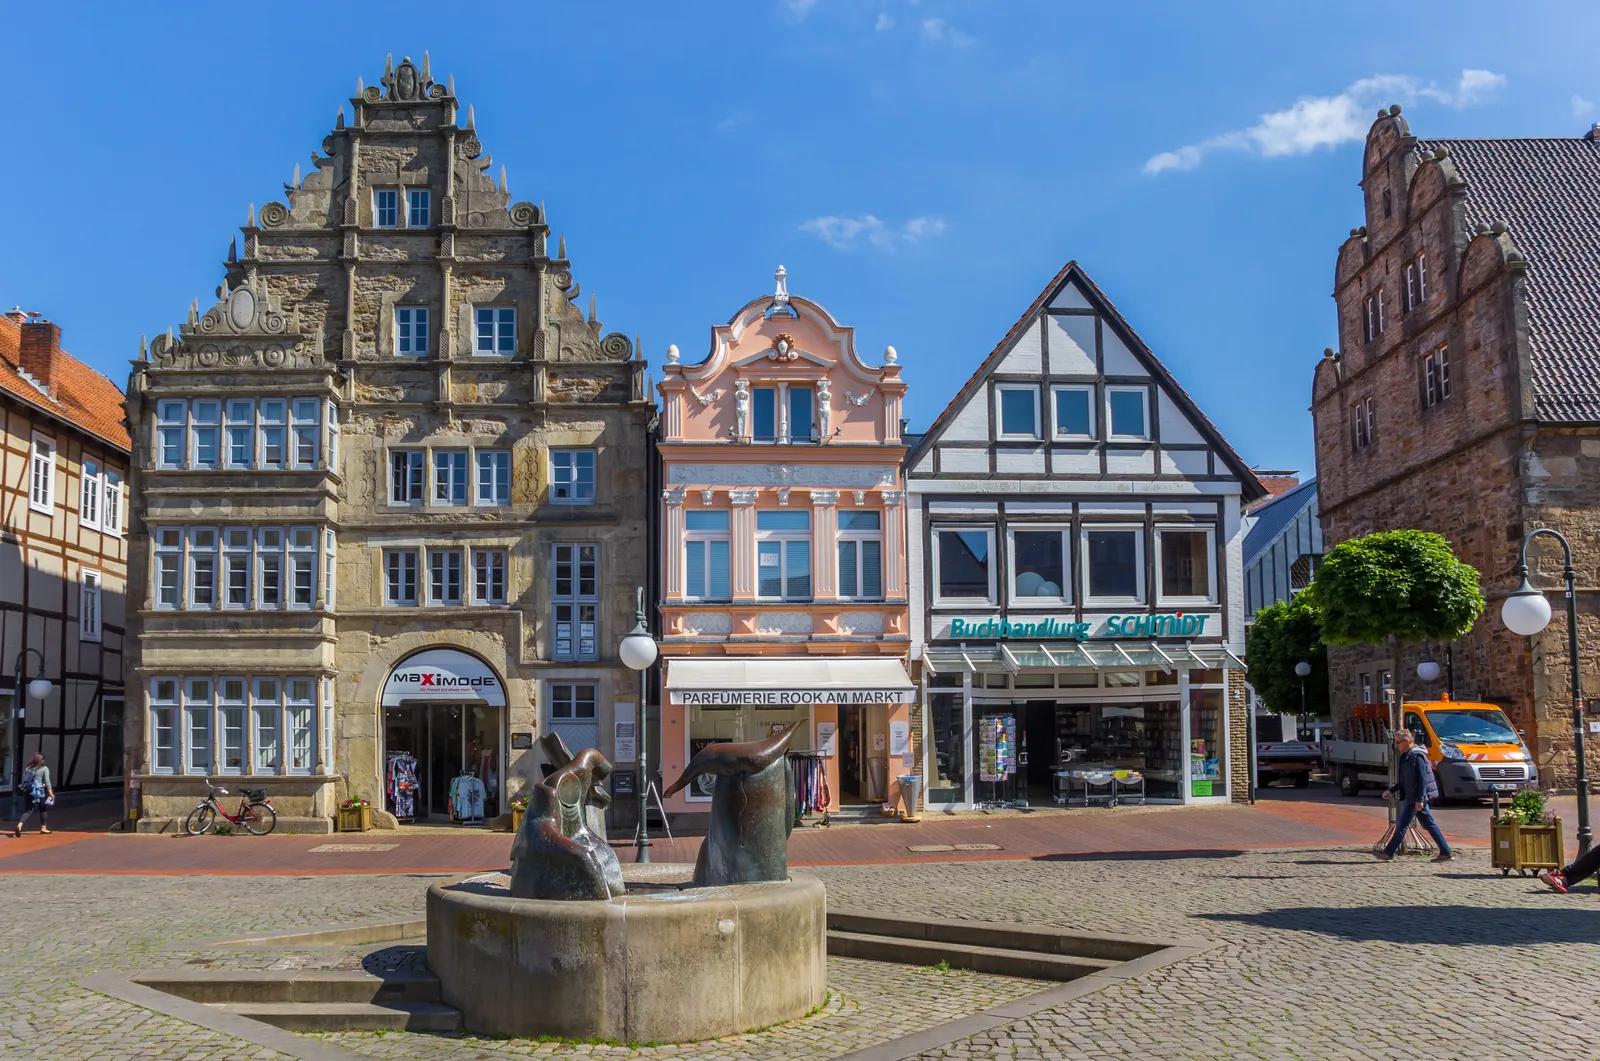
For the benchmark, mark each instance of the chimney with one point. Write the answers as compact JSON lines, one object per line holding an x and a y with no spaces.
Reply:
{"x":1593,"y":133}
{"x":41,"y":352}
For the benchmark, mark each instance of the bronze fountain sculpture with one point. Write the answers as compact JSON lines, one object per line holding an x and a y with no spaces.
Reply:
{"x":752,"y":810}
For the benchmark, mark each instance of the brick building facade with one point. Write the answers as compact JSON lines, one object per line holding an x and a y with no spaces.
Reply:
{"x":1464,"y":398}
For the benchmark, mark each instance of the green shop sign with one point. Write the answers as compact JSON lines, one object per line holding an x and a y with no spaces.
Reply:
{"x":1161,"y":624}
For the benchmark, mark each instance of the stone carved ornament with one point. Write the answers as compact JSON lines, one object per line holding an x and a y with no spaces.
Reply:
{"x":247,"y":327}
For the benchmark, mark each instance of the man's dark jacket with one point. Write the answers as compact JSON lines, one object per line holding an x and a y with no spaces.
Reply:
{"x":1415,"y":781}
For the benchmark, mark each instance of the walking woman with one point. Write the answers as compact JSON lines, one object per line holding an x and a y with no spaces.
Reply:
{"x":39,"y":793}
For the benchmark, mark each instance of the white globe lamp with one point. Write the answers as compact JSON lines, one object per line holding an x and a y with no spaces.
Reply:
{"x":1526,"y":611}
{"x":638,"y":649}
{"x":1428,"y":670}
{"x":39,"y":688}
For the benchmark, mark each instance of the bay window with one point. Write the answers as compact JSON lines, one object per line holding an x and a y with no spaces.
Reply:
{"x":860,"y":554}
{"x":306,"y":431}
{"x":302,"y":566}
{"x":231,"y":710}
{"x":783,"y":554}
{"x":269,"y":567}
{"x":205,"y":434}
{"x":240,"y":418}
{"x":202,"y":568}
{"x":266,"y":720}
{"x":706,"y":551}
{"x":235,"y":724}
{"x":164,"y":725}
{"x":274,"y":438}
{"x":168,"y":566}
{"x":300,"y":710}
{"x":236,"y":566}
{"x":963,"y":566}
{"x":197,"y":725}
{"x":171,"y":417}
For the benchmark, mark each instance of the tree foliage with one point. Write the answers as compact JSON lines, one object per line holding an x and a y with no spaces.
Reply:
{"x":1286,"y":633}
{"x":1405,"y":585}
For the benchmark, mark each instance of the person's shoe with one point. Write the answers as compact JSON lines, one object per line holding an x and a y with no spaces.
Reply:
{"x":1382,"y":855}
{"x":1445,"y":856}
{"x":1555,"y":881}
{"x":44,"y":832}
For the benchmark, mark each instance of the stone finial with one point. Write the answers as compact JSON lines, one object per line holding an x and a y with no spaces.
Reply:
{"x":388,"y":65}
{"x":294,"y":180}
{"x":361,"y":85}
{"x":1394,"y":110}
{"x":472,"y":119}
{"x":638,"y":348}
{"x":591,"y":309}
{"x":672,"y":353}
{"x":561,"y":246}
{"x":780,"y":294}
{"x":339,"y":122}
{"x":891,"y":356}
{"x":233,"y":249}
{"x":502,"y":180}
{"x":452,"y":82}
{"x":250,"y":217}
{"x":427,"y":73}
{"x":144,"y":349}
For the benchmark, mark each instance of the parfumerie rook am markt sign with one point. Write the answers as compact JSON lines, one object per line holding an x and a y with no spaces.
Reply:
{"x":789,"y":697}
{"x":1053,"y":628}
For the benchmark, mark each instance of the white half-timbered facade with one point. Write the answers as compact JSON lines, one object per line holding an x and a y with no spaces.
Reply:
{"x":1077,"y":604}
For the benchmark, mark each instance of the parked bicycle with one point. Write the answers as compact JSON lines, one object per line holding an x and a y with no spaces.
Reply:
{"x":256,"y":813}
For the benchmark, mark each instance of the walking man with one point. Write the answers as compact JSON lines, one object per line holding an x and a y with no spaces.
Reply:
{"x":1414,"y":786}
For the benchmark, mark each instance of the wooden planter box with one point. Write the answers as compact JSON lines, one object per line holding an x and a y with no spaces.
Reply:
{"x":355,"y":819}
{"x":516,"y":820}
{"x":1526,"y":848}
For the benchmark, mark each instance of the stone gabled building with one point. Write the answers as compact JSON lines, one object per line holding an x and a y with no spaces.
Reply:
{"x":1464,"y":397}
{"x":389,"y":491}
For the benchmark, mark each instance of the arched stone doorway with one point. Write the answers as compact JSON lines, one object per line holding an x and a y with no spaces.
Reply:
{"x":444,"y":725}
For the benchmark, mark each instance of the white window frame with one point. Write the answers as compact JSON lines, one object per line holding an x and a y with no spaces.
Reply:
{"x":1144,"y":400}
{"x":171,"y":433}
{"x":310,"y":730}
{"x":488,"y":567}
{"x":785,"y":539}
{"x":1436,"y":375}
{"x":392,"y":599}
{"x":416,"y":477}
{"x":90,"y":584}
{"x":1410,"y":302}
{"x":42,"y":474}
{"x":111,"y":503}
{"x":1000,"y":432}
{"x":166,"y":700}
{"x":332,"y":463}
{"x":1422,"y":276}
{"x":705,"y":538}
{"x":196,"y":552}
{"x":498,"y":493}
{"x":1162,"y":596}
{"x":439,"y":576}
{"x":571,"y":698}
{"x":452,"y":468}
{"x":238,"y":707}
{"x":414,"y":345}
{"x":238,"y":545}
{"x":858,"y":538}
{"x":377,"y":210}
{"x":499,"y":328}
{"x":330,"y":562}
{"x":266,"y":716}
{"x":198,"y":422}
{"x":239,"y":416}
{"x":271,"y":550}
{"x":577,"y":600}
{"x":307,"y":429}
{"x":272,"y":415}
{"x":304,"y":548}
{"x":573,"y":482}
{"x":1064,"y":532}
{"x":1142,"y":592}
{"x":199,"y":707}
{"x":1086,"y":389}
{"x":415,"y":195}
{"x":167,"y":544}
{"x":941,"y":601}
{"x":90,"y":490}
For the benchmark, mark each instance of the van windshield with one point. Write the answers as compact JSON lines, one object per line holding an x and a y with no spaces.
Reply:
{"x":1483,"y":726}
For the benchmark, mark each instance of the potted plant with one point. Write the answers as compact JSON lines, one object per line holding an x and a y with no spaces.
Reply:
{"x":519,"y":807}
{"x":1525,"y":836}
{"x":355,"y":816}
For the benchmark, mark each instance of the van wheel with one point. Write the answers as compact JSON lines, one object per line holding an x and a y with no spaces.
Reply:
{"x":1349,"y":785}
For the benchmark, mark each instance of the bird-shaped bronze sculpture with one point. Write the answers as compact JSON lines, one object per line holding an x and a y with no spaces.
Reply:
{"x":752,"y":810}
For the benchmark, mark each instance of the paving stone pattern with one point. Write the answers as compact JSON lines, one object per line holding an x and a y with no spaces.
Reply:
{"x":1322,"y":954}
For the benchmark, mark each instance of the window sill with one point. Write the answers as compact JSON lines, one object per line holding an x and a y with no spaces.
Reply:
{"x":1114,"y":602}
{"x":965,"y":602}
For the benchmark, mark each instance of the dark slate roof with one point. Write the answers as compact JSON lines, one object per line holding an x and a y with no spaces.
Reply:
{"x":1547,"y":191}
{"x":1272,"y":516}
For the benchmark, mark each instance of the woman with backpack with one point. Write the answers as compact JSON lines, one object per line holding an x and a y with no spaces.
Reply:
{"x":40,"y":795}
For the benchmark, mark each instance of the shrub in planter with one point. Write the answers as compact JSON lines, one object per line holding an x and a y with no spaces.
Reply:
{"x":355,"y":816}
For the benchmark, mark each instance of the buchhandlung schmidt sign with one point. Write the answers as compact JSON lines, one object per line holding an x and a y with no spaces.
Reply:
{"x":1161,"y":624}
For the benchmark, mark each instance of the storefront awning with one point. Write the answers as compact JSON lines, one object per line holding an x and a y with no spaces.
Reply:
{"x":788,"y":682}
{"x":1012,"y":657}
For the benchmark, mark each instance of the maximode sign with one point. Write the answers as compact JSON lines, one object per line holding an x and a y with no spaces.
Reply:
{"x":1052,"y":628}
{"x":788,"y":697}
{"x":443,"y":674}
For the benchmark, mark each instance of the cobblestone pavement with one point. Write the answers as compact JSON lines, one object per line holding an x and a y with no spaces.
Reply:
{"x":1322,"y":954}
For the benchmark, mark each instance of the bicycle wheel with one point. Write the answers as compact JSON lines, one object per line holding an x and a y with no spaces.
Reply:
{"x":259,"y":819}
{"x":200,"y":820}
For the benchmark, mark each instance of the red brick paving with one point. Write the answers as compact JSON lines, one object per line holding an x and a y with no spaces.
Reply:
{"x":1129,"y":832}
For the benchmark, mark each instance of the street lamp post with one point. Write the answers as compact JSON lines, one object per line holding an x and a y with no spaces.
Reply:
{"x":1302,"y":670}
{"x":37,"y":689}
{"x":1527,"y":612}
{"x":638,"y":652}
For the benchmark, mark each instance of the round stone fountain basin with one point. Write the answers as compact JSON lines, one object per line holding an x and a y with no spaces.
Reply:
{"x":664,"y":963}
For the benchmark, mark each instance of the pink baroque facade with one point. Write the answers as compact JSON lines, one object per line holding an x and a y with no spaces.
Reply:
{"x":783,"y":537}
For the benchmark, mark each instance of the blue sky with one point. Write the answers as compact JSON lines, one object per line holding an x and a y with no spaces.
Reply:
{"x":921,"y":168}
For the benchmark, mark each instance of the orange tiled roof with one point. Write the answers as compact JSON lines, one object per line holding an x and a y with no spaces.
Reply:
{"x":83,"y":396}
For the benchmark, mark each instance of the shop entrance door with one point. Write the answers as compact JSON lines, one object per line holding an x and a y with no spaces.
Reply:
{"x":448,"y":743}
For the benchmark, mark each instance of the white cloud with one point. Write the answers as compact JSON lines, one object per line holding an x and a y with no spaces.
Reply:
{"x":798,"y":9}
{"x":1327,"y":121}
{"x":938,"y":31}
{"x":885,"y":21}
{"x":1581,"y":107}
{"x":729,"y":122}
{"x":849,"y":233}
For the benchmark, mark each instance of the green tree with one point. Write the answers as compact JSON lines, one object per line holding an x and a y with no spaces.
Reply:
{"x":1395,"y":586}
{"x":1286,"y":633}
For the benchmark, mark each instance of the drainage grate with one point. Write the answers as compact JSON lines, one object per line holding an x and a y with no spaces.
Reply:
{"x":933,"y":849}
{"x":328,"y":849}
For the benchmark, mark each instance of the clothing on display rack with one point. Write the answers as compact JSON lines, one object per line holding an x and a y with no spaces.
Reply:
{"x":466,"y":798}
{"x":811,"y":795}
{"x":401,"y":785}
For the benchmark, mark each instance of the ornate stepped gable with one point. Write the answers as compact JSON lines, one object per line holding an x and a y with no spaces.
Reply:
{"x":269,"y":315}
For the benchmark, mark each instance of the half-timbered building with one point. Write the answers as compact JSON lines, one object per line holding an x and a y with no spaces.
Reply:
{"x":1074,"y":526}
{"x":63,"y":558}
